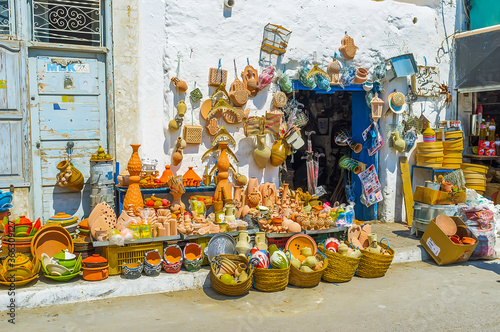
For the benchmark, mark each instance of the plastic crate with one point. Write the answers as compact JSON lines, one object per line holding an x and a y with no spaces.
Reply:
{"x":129,"y":253}
{"x":203,"y":242}
{"x":280,"y":242}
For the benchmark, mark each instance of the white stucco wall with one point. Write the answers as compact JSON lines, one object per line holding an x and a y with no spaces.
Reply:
{"x":203,"y":31}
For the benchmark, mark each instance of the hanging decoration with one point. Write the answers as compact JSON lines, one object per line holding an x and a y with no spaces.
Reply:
{"x":334,"y":69}
{"x":238,"y":92}
{"x":372,"y":134}
{"x":285,"y":82}
{"x":217,"y":76}
{"x":266,"y":77}
{"x":303,"y":72}
{"x":371,"y":186}
{"x":69,"y":176}
{"x":275,"y":39}
{"x":348,"y":49}
{"x":377,"y":105}
{"x":343,"y":138}
{"x":251,"y":79}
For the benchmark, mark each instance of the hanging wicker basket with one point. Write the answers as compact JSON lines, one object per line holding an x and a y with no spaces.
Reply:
{"x":374,"y":265}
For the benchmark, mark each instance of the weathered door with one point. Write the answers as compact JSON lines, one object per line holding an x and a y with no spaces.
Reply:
{"x":68,"y":104}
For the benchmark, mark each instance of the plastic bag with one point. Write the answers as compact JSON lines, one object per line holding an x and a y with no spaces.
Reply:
{"x":266,"y":77}
{"x":116,"y":237}
{"x":480,"y":220}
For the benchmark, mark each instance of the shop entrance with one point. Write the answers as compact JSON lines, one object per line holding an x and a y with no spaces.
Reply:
{"x":328,"y":113}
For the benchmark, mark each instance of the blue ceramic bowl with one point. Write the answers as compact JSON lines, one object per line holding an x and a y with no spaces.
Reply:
{"x":132,"y":271}
{"x":5,"y":201}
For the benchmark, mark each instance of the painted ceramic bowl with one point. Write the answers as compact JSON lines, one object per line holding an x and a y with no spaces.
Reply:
{"x":172,"y":259}
{"x":152,"y":259}
{"x":5,"y":200}
{"x":66,"y":259}
{"x":57,"y":270}
{"x":132,"y":270}
{"x":152,"y":271}
{"x":299,"y":241}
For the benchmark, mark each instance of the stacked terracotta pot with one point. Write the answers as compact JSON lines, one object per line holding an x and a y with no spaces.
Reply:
{"x":453,"y":147}
{"x":475,"y":177}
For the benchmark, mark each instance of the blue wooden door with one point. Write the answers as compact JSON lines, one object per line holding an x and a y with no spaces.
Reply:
{"x":68,"y":105}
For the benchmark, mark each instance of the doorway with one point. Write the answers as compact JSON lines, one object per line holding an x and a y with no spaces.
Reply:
{"x":68,"y":108}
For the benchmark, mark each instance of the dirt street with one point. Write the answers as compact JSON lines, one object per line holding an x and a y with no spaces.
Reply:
{"x":411,"y":297}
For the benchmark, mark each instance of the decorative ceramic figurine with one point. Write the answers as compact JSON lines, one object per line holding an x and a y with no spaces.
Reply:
{"x":222,"y":191}
{"x":133,"y":196}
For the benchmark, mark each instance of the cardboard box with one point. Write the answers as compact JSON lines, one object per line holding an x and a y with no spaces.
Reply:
{"x":436,"y":197}
{"x":442,"y":249}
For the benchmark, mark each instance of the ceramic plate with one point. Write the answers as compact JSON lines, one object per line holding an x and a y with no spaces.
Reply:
{"x":299,"y":241}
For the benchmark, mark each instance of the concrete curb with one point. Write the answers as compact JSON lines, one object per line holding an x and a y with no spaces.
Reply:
{"x":46,"y":292}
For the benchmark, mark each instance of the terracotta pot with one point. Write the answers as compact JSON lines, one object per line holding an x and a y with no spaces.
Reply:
{"x":167,"y":174}
{"x":95,"y":261}
{"x":361,"y":76}
{"x":278,"y":152}
{"x":445,"y":186}
{"x":261,"y":153}
{"x":447,"y":224}
{"x":95,"y":274}
{"x":254,"y":199}
{"x":177,"y":157}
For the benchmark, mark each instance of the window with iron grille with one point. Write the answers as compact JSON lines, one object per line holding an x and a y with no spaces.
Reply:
{"x":5,"y":17}
{"x":68,"y":21}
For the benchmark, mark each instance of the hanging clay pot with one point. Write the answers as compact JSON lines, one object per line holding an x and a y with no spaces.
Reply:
{"x":398,"y":143}
{"x":181,"y":108}
{"x":361,"y":76}
{"x":261,"y":153}
{"x":181,"y":86}
{"x":177,"y":157}
{"x":173,"y":125}
{"x":278,"y":152}
{"x":240,"y":179}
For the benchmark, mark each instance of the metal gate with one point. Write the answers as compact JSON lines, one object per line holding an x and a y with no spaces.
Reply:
{"x":68,"y":104}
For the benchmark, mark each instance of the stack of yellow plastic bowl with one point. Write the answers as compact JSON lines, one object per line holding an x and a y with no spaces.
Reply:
{"x":475,"y":177}
{"x":453,"y":147}
{"x":430,"y":154}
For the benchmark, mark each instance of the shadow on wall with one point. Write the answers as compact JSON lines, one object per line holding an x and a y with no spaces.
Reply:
{"x":68,"y":201}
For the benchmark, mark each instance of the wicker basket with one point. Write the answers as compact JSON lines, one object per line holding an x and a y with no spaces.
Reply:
{"x":214,"y":77}
{"x":238,"y":289}
{"x":193,"y":134}
{"x":340,"y":268}
{"x":307,"y":279}
{"x":271,"y":280}
{"x":153,"y":185}
{"x":374,"y":265}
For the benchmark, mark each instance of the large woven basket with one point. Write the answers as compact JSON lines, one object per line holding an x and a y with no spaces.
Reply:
{"x":340,"y":268}
{"x":307,"y":279}
{"x":271,"y":280}
{"x":238,"y":289}
{"x":374,"y":265}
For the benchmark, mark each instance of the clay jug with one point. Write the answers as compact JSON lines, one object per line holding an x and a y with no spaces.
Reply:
{"x":398,"y":143}
{"x":374,"y":247}
{"x":167,"y":174}
{"x":260,"y":240}
{"x":243,"y":244}
{"x":254,"y":199}
{"x":181,"y":108}
{"x":177,"y":157}
{"x":278,"y":152}
{"x":261,"y":153}
{"x":229,"y":211}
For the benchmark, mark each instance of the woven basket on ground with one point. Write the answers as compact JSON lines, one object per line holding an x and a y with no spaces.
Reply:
{"x":340,"y":268}
{"x":374,"y":265}
{"x":270,"y":280}
{"x":237,"y":289}
{"x":307,"y":279}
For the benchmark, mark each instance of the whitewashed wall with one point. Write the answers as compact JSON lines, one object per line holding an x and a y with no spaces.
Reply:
{"x":203,"y":31}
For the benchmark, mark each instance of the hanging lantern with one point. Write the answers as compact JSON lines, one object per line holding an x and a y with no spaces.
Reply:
{"x":377,"y":105}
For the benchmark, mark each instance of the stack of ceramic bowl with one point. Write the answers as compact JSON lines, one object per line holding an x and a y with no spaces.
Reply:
{"x":64,"y":220}
{"x":83,"y":247}
{"x":83,"y":229}
{"x":453,"y":147}
{"x":50,"y":240}
{"x":475,"y":177}
{"x":64,"y":266}
{"x":430,"y":154}
{"x":19,"y":271}
{"x":23,"y":231}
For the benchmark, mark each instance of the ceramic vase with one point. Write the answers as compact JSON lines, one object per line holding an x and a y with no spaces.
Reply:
{"x":253,"y":184}
{"x":261,"y":153}
{"x":361,"y":76}
{"x":398,"y":142}
{"x":229,"y":213}
{"x":243,"y":244}
{"x":177,"y":157}
{"x":278,"y":152}
{"x":133,"y":196}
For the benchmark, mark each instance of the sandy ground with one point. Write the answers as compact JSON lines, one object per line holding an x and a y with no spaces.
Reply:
{"x":411,"y":297}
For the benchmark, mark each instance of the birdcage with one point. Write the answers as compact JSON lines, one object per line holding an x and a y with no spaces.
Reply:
{"x":275,"y":39}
